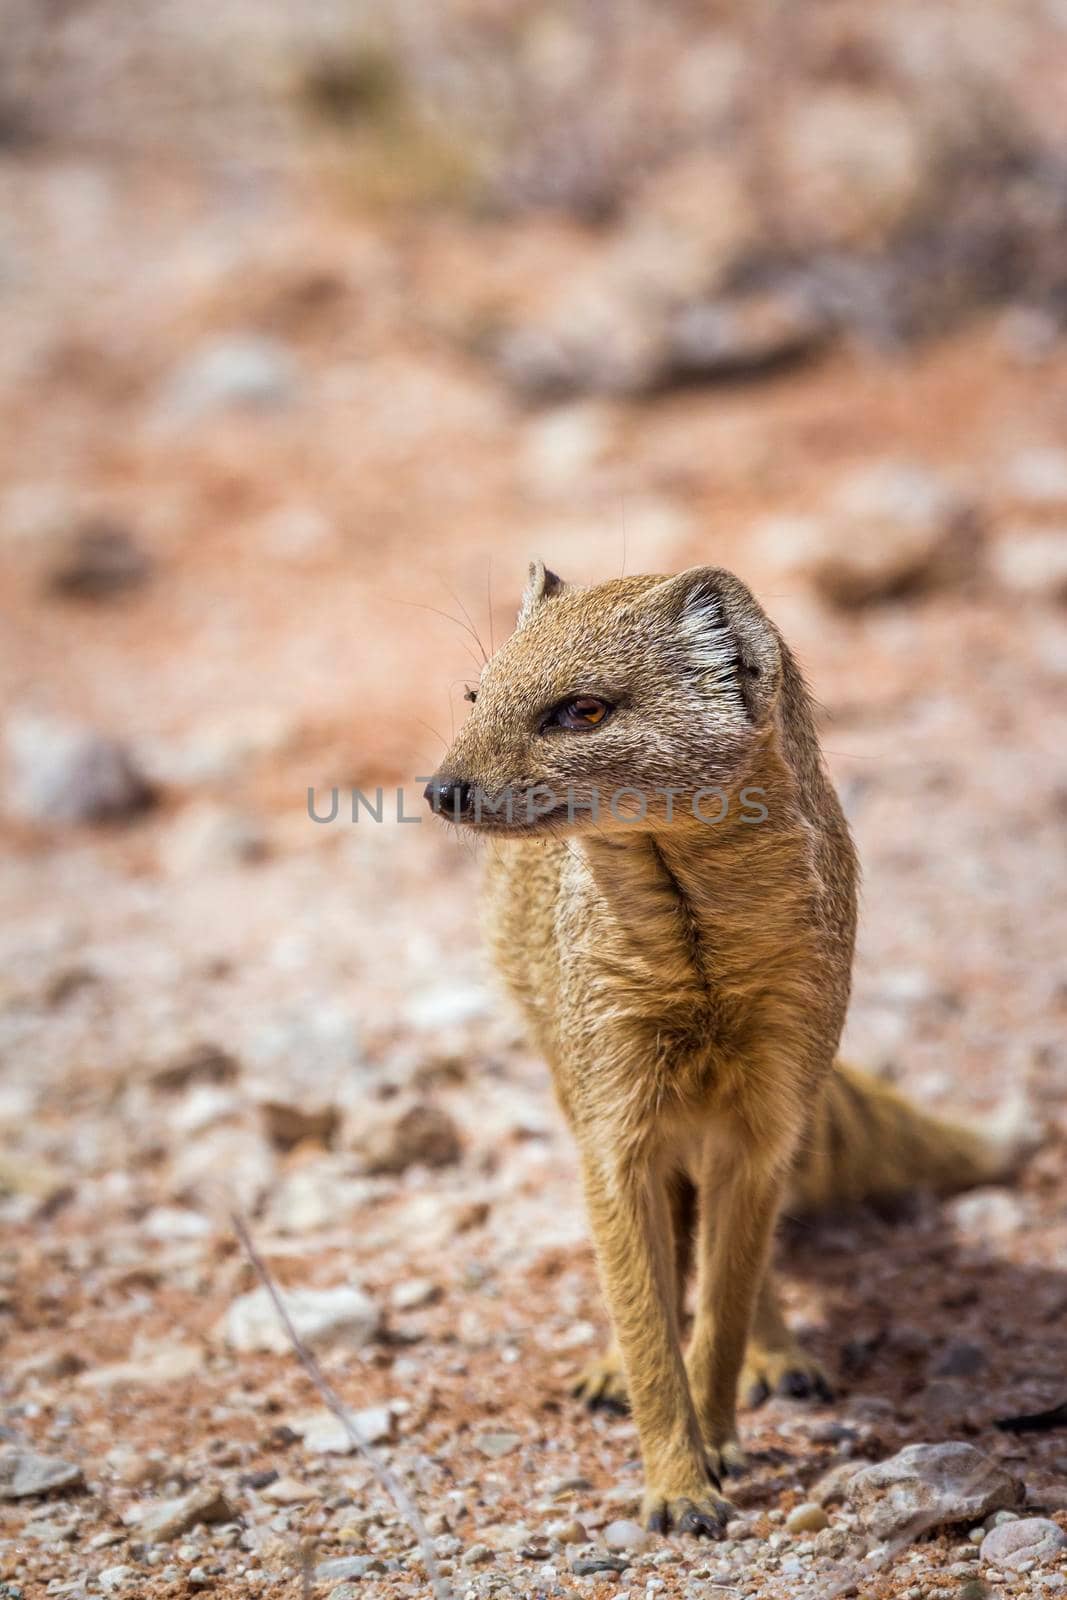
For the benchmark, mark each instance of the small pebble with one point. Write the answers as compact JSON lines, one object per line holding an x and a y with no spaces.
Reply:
{"x":566,"y":1531}
{"x":1024,"y":1543}
{"x":625,"y":1535}
{"x":588,"y":1561}
{"x":496,"y":1445}
{"x":289,"y":1492}
{"x":807,"y":1518}
{"x":113,"y":1579}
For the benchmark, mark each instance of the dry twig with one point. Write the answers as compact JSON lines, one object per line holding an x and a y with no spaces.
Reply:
{"x":389,"y":1481}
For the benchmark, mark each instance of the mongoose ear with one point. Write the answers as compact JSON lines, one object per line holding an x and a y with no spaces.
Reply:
{"x":543,"y":585}
{"x":730,"y":638}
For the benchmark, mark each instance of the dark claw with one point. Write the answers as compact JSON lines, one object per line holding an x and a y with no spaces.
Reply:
{"x":657,"y":1522}
{"x":823,"y":1390}
{"x":795,"y":1385}
{"x":758,"y":1393}
{"x":700,"y":1523}
{"x":608,"y":1402}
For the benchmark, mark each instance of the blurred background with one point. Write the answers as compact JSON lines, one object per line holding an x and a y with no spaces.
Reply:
{"x":316,"y":322}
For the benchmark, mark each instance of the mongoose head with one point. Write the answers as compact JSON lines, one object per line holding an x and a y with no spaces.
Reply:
{"x":613,"y":706}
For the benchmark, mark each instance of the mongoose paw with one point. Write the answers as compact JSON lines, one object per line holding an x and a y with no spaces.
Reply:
{"x":704,"y":1515}
{"x":727,"y":1460}
{"x":789,"y":1373}
{"x":602,"y":1386}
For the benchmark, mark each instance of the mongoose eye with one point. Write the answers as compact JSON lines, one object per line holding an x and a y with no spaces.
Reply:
{"x":470,"y":694}
{"x":584,"y":711}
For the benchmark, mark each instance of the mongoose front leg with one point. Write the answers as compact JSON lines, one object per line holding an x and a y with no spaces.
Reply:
{"x":602,"y":1384}
{"x":740,"y":1195}
{"x":630,"y":1218}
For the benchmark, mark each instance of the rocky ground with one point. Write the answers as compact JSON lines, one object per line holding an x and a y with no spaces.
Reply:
{"x":254,"y":438}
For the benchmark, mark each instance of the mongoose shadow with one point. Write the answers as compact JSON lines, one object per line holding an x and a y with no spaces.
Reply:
{"x":958,"y":1337}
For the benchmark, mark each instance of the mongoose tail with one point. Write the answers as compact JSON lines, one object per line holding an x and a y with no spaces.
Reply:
{"x":869,"y":1144}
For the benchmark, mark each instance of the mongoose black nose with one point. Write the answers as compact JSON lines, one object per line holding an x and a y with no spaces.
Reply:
{"x":450,"y":797}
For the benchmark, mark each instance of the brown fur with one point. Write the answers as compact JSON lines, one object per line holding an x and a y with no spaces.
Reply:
{"x":687,"y":983}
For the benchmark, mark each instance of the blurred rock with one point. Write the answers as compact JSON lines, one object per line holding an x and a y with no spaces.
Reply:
{"x":114,"y":1579}
{"x":205,"y":1106}
{"x":216,"y":754}
{"x":959,"y":1359}
{"x":928,"y":1485}
{"x":288,"y":1124}
{"x":447,"y":1006}
{"x":50,"y":1366}
{"x":855,"y":165}
{"x":560,"y":450}
{"x":324,"y":1434}
{"x":226,"y":1164}
{"x":597,"y":344}
{"x":690,"y":225}
{"x":342,"y":1316}
{"x":497,"y":1444}
{"x":604,"y":340}
{"x":317,"y":1194}
{"x":247,"y":372}
{"x":743,"y":337}
{"x":988,"y":1213}
{"x":322,"y":1038}
{"x":202,"y":1062}
{"x":415,"y":1293}
{"x":131,"y":1468}
{"x":62,"y":772}
{"x":155,"y":1369}
{"x":832,"y":1487}
{"x":289,"y":1492}
{"x":95,"y":561}
{"x":22,"y":1175}
{"x":808,"y":1517}
{"x":356,"y":1567}
{"x":625,"y":1535}
{"x":1038,"y":477}
{"x":1028,"y":334}
{"x":436,"y":1219}
{"x":26,"y":1473}
{"x":423,"y":1135}
{"x":587,"y":1562}
{"x":160,"y":1524}
{"x":894,"y":530}
{"x":1031,"y":562}
{"x":1027,"y":1540}
{"x":207,"y":835}
{"x":566,"y":1530}
{"x":168,"y":1223}
{"x":299,"y":535}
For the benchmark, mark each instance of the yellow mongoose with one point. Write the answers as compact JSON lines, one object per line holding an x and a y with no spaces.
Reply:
{"x":675,"y":914}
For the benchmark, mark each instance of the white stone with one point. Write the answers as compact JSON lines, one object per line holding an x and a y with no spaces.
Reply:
{"x":926,"y":1485}
{"x":62,"y":772}
{"x":1030,"y":1540}
{"x":342,"y":1315}
{"x":243,"y":371}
